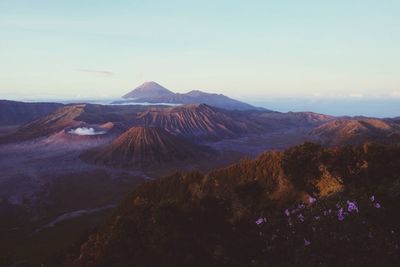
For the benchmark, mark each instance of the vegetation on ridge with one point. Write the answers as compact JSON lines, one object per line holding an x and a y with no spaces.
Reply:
{"x":309,"y":206}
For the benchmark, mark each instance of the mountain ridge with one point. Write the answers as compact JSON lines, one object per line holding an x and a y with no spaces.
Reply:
{"x":309,"y":204}
{"x":152,"y":92}
{"x":15,"y":112}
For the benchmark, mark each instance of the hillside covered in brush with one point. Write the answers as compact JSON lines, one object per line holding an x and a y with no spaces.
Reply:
{"x":306,"y":206}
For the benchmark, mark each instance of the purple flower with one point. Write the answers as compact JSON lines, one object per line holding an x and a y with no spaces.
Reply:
{"x":337,"y":205}
{"x":306,"y":242}
{"x":301,"y":206}
{"x":261,"y":221}
{"x":352,"y":206}
{"x":377,"y":205}
{"x":340,"y":214}
{"x":372,"y":198}
{"x":300,"y":217}
{"x":287,"y":212}
{"x":311,"y":200}
{"x":316,"y":218}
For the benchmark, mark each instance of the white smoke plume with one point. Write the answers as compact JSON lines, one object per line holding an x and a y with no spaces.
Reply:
{"x":86,"y":131}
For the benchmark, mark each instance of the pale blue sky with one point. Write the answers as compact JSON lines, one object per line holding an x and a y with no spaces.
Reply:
{"x":245,"y":49}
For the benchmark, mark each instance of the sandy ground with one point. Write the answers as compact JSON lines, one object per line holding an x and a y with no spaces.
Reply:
{"x":27,"y":167}
{"x":253,"y":145}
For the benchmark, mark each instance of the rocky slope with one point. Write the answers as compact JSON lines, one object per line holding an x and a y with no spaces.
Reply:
{"x":197,"y":121}
{"x":145,"y":146}
{"x":357,"y":131}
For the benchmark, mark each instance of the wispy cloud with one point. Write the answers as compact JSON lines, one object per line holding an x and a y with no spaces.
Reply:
{"x":396,"y":93}
{"x":97,"y":72}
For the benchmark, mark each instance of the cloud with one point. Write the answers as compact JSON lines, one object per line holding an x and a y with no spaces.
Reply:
{"x":356,"y":95}
{"x":85,"y":131}
{"x":396,"y":93}
{"x":98,"y":72}
{"x":338,"y":95}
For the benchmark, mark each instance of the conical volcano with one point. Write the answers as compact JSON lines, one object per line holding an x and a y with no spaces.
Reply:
{"x":144,"y":146}
{"x":149,"y":90}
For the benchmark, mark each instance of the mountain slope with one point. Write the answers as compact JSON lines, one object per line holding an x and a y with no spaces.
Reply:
{"x":278,"y":120}
{"x":249,"y":214}
{"x":218,"y":100}
{"x":149,"y":90}
{"x":357,"y":131}
{"x":74,"y":116}
{"x":196,"y":122}
{"x":14,"y":113}
{"x":47,"y":125}
{"x":141,"y":146}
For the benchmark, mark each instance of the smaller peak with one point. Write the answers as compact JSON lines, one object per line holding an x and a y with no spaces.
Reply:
{"x":195,"y":106}
{"x":148,"y":90}
{"x":196,"y":93}
{"x":150,"y":83}
{"x":152,"y":86}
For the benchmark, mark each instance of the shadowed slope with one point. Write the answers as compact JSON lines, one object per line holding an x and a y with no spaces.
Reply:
{"x":141,"y":146}
{"x":14,"y":113}
{"x":50,"y":124}
{"x":249,"y":214}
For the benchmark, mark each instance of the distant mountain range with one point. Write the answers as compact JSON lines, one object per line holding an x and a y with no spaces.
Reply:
{"x":152,"y":92}
{"x":195,"y":123}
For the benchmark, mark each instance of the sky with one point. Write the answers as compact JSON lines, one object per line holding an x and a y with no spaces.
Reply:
{"x":246,"y":49}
